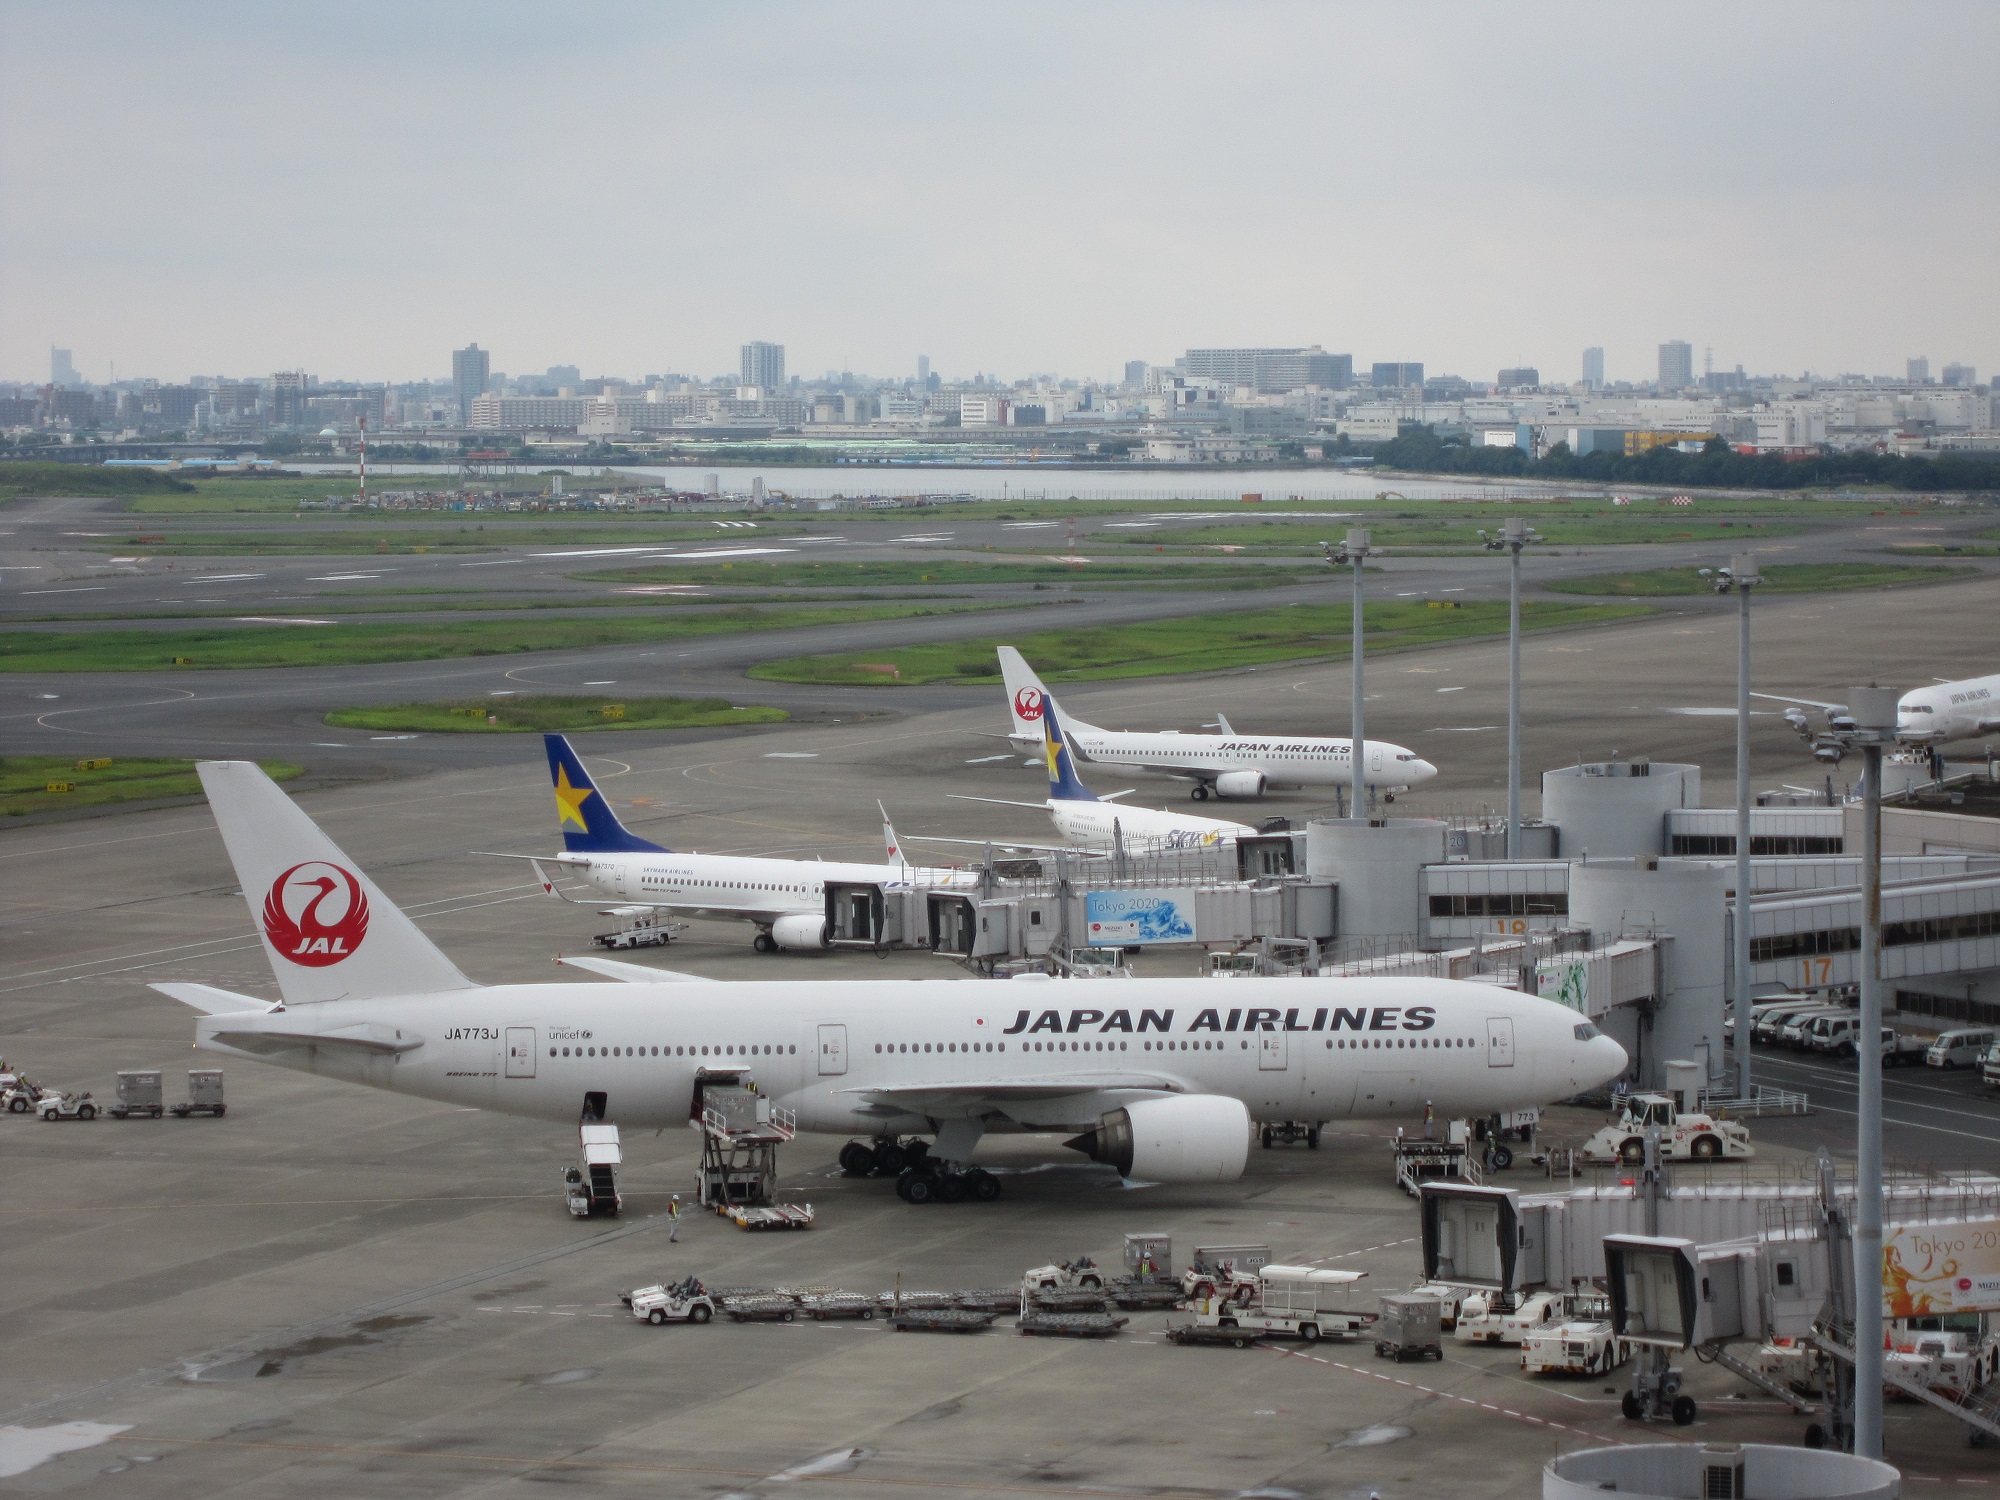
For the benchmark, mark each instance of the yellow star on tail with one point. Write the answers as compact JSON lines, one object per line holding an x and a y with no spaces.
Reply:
{"x":570,"y":799}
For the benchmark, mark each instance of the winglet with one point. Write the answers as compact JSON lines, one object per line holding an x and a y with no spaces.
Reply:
{"x":588,"y":824}
{"x":1063,"y":783}
{"x":1222,"y":723}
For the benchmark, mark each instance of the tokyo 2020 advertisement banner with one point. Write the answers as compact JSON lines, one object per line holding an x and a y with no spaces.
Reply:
{"x":1127,"y":917}
{"x":1940,"y":1268}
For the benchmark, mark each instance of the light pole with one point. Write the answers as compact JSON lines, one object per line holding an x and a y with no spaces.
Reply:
{"x":1355,"y":549}
{"x":1871,"y":711}
{"x":1511,"y":538}
{"x":1741,"y":576}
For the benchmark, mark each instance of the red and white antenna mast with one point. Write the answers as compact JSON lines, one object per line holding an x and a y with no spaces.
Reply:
{"x":364,"y":462}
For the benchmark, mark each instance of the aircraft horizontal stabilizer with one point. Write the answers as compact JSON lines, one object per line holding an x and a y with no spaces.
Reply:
{"x":612,"y":968}
{"x":211,"y":1001}
{"x":369,"y":1036}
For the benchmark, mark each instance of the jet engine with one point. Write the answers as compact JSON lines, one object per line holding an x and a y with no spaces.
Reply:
{"x":1240,"y":784}
{"x":1178,"y":1138}
{"x":801,"y":929}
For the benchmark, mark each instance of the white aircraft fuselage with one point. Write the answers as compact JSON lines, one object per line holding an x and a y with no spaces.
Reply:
{"x":1101,"y":826}
{"x":1948,"y":711}
{"x":859,"y":1057}
{"x":730,"y":885}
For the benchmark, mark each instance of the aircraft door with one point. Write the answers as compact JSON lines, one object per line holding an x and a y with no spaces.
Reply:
{"x":1374,"y":757}
{"x":520,"y":1052}
{"x":832,"y":1051}
{"x":1271,"y":1053}
{"x":1499,"y":1041}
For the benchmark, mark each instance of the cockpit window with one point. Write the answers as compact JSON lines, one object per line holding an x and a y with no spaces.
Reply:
{"x":1916,"y":708}
{"x":1586,"y":1031}
{"x":1406,"y":755}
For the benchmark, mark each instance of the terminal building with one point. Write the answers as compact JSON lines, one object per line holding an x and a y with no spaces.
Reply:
{"x":1623,"y":906}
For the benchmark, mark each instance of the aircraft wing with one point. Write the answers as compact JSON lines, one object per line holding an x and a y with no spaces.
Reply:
{"x":1003,"y":1092}
{"x":1042,"y":806}
{"x":611,"y":968}
{"x":1003,"y":846}
{"x":1832,"y":708}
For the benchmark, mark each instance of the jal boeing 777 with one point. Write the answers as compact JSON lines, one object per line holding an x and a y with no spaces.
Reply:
{"x":784,"y":898}
{"x":1161,"y":1078}
{"x":1222,"y":765}
{"x":1936,"y":715}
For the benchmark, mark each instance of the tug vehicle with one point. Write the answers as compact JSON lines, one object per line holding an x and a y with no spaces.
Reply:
{"x":55,"y":1106}
{"x":1080,"y":1275}
{"x":684,"y":1302}
{"x":1684,"y":1134}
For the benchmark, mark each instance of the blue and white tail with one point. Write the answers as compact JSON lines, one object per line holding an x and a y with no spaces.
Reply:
{"x":1063,"y":783}
{"x":588,"y":824}
{"x":327,"y":929}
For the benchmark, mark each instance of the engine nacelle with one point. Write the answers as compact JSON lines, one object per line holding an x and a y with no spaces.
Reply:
{"x":801,"y":929}
{"x":1180,"y":1138}
{"x":1240,"y":784}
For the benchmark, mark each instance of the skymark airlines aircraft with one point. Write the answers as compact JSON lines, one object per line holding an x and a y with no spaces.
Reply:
{"x":1161,"y":1078}
{"x":1936,"y":715}
{"x":1222,"y":765}
{"x":785,"y":898}
{"x":1100,"y":825}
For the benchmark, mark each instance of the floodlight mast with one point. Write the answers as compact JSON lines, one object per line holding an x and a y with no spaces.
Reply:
{"x":1511,"y":538}
{"x":1740,"y":577}
{"x":1870,"y":723}
{"x":1355,"y":549}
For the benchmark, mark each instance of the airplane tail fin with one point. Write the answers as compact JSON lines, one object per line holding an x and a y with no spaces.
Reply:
{"x":1025,"y":694}
{"x":893,"y":844}
{"x":328,"y":931}
{"x":588,"y":824}
{"x":1063,"y":783}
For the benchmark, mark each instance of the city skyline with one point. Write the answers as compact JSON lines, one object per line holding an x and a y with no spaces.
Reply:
{"x":167,"y":230}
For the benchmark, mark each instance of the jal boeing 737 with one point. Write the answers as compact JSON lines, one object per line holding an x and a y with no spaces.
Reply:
{"x":785,"y":898}
{"x":1936,"y":715}
{"x":1100,"y":825}
{"x":1161,"y":1078}
{"x":1222,"y":765}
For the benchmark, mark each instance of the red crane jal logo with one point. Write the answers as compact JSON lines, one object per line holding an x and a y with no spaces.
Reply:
{"x":315,"y":914}
{"x":1028,"y":703}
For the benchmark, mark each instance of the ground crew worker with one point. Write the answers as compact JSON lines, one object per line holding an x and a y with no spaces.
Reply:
{"x":674,"y":1219}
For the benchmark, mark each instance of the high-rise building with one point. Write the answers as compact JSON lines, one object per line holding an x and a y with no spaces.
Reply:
{"x":1520,"y":377}
{"x":763,"y":366}
{"x":1676,"y":365}
{"x":470,"y":368}
{"x":1966,"y":375}
{"x":62,"y":373}
{"x":564,"y":375}
{"x":1270,"y":370}
{"x":1593,"y":367}
{"x":1135,"y":374}
{"x":923,"y":369}
{"x":1917,"y":371}
{"x":288,"y":398}
{"x":1396,"y":375}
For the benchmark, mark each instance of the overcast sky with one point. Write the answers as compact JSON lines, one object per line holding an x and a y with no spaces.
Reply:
{"x":203,"y":188}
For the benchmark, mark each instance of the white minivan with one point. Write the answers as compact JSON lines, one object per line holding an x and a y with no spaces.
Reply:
{"x":1960,"y":1048}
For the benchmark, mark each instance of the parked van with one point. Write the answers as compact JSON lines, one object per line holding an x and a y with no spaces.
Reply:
{"x":1833,"y":1031}
{"x":1989,"y":1066}
{"x":1961,"y":1048}
{"x":1770,"y":1029}
{"x":1797,"y":1033}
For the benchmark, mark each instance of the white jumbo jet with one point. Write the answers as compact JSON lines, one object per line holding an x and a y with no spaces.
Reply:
{"x":785,"y":898}
{"x":1221,"y":765}
{"x":1935,"y":715}
{"x":1101,"y":825}
{"x":1161,"y":1078}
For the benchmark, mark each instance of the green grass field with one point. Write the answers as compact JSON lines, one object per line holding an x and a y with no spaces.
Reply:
{"x":546,"y":713}
{"x":946,"y":571}
{"x":25,"y":779}
{"x":1941,"y":549}
{"x":28,"y":477}
{"x":1208,"y":643}
{"x":1457,"y":528}
{"x":128,"y":650}
{"x":1780,"y":578}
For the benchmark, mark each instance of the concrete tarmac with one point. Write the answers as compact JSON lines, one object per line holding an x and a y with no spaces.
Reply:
{"x":333,"y":1290}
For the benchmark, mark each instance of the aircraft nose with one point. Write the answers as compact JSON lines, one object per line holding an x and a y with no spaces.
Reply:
{"x":1425,"y":770}
{"x":1607,"y":1059}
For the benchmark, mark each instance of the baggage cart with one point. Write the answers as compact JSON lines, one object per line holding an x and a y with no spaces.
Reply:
{"x":1065,"y":1299}
{"x":941,"y":1320}
{"x":1144,"y":1296}
{"x":820,"y":1306}
{"x":769,"y":1307}
{"x":204,"y":1094}
{"x":1069,"y":1325}
{"x":1410,"y":1327}
{"x":138,"y":1094}
{"x":988,"y":1299}
{"x":1209,"y":1333}
{"x":776,"y":1216}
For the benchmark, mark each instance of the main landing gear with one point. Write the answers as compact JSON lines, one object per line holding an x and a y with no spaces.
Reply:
{"x":764,"y":943}
{"x":920,"y":1177}
{"x":1200,"y":792}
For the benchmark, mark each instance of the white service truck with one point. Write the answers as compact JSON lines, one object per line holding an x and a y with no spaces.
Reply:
{"x":1296,"y":1302}
{"x":1577,"y":1346}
